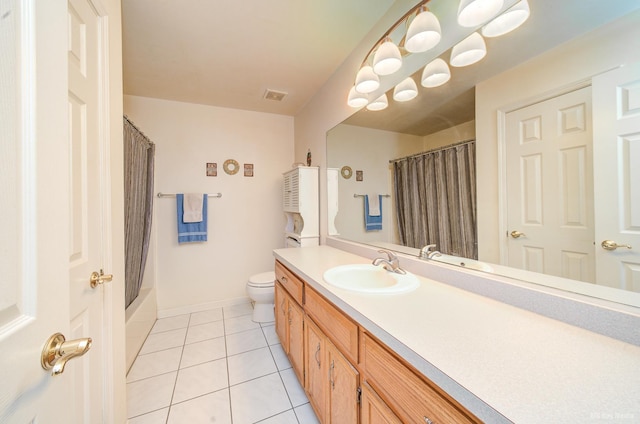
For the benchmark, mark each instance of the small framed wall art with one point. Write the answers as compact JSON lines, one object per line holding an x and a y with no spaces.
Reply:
{"x":248,"y":170}
{"x":358,"y":175}
{"x":212,"y":169}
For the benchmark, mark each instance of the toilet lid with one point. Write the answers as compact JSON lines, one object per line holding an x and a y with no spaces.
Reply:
{"x":264,"y":279}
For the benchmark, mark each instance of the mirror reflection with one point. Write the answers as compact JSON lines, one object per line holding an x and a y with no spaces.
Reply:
{"x":519,"y":165}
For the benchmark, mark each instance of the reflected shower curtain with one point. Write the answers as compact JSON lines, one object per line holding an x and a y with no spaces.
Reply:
{"x":435,"y":196}
{"x":138,"y":205}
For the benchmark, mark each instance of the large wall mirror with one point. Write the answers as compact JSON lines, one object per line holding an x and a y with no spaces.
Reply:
{"x":546,"y":126}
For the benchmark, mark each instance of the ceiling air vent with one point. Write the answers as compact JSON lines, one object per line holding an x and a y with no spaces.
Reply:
{"x":274,"y":95}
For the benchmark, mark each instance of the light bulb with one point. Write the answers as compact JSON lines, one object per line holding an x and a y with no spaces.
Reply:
{"x":424,"y":32}
{"x":469,"y":51}
{"x":472,"y":13}
{"x":435,"y":74}
{"x":366,"y":80}
{"x":405,"y":91}
{"x":387,"y":59}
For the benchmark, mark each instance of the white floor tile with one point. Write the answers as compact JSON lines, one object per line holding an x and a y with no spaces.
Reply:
{"x":200,"y":380}
{"x":270,"y":334}
{"x":164,"y":340}
{"x":295,"y":391}
{"x":204,"y":317}
{"x":245,"y":341}
{"x":279,"y":355}
{"x":155,"y":417}
{"x":211,"y":330}
{"x":150,"y":394}
{"x":211,"y":408}
{"x":205,"y":351}
{"x":306,"y":415}
{"x":288,"y":417}
{"x":239,"y":324}
{"x":171,"y":323}
{"x":258,"y":399}
{"x":155,"y":363}
{"x":237,"y":310}
{"x":249,"y":365}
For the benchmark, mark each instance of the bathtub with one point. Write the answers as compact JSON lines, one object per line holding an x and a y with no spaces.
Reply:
{"x":139,"y":319}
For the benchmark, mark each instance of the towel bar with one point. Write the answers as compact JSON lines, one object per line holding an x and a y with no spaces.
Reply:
{"x":173,"y":195}
{"x":362,"y":195}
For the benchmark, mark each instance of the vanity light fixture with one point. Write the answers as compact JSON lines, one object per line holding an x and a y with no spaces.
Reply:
{"x":366,"y":80}
{"x":469,"y":51}
{"x":405,"y":91}
{"x":356,"y":99}
{"x":472,"y":13}
{"x":387,"y":58}
{"x":379,"y":103}
{"x":424,"y":32}
{"x":435,"y":74}
{"x":508,"y":21}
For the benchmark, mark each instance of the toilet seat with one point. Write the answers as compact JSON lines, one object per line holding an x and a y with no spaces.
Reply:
{"x":264,"y":279}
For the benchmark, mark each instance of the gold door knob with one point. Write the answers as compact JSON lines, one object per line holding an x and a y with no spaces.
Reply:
{"x":612,"y":245}
{"x":57,"y":351}
{"x":99,"y":278}
{"x":517,"y":234}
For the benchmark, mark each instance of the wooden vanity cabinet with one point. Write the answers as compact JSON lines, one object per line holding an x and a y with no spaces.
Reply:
{"x":374,"y":410}
{"x":315,"y":365}
{"x":289,"y":327}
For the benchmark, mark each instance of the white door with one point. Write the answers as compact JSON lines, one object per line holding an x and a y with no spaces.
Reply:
{"x":550,"y":187}
{"x":616,"y":103}
{"x":51,"y":123}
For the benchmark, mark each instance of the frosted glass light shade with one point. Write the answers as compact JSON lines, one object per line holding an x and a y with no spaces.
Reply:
{"x":424,"y":32}
{"x":379,"y":103}
{"x":387,"y":59}
{"x":366,"y":80}
{"x":405,"y":91}
{"x":469,"y":51}
{"x":356,"y":99}
{"x":435,"y":73}
{"x":508,"y":21}
{"x":472,"y":13}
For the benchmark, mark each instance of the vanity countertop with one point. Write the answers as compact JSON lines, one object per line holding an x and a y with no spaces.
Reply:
{"x":500,"y":362}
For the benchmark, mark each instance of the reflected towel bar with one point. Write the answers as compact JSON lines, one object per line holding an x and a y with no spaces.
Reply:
{"x":362,"y":195}
{"x":173,"y":195}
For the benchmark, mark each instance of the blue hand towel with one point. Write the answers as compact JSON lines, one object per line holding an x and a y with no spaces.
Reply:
{"x":192,"y":231}
{"x":372,"y":223}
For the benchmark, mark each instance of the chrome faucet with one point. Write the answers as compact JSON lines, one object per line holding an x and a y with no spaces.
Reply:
{"x":391,"y":264}
{"x":427,"y":253}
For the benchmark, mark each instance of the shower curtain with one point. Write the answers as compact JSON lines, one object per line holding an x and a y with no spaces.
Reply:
{"x":138,"y":204}
{"x":435,"y":195}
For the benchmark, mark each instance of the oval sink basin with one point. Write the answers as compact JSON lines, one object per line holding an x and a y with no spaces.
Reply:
{"x":367,"y":278}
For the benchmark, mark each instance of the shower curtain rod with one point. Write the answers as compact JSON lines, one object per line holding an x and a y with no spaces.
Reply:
{"x":438,"y":149}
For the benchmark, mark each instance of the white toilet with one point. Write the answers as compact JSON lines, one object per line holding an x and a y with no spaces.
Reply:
{"x":260,"y":289}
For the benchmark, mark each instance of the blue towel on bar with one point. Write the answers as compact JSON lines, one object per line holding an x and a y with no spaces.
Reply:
{"x":192,"y":231}
{"x":372,"y":223}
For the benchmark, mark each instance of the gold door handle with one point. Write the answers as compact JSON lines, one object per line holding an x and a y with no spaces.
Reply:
{"x":612,"y":245}
{"x":517,"y":234}
{"x":99,"y":278}
{"x":57,"y":351}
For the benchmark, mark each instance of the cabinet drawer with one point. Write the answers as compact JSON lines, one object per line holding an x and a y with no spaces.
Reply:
{"x":339,"y":329}
{"x":410,"y":396}
{"x":290,"y":282}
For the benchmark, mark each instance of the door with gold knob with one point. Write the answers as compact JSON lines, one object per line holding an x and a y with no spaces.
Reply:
{"x":617,"y":178}
{"x":61,"y":176}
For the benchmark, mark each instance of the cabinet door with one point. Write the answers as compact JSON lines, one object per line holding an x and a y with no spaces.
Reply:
{"x":281,"y":311}
{"x":374,"y":410}
{"x":315,"y":382}
{"x":296,"y":341}
{"x":343,"y":388}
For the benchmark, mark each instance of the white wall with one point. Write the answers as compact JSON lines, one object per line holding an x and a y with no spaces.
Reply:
{"x":580,"y":59}
{"x":245,"y":225}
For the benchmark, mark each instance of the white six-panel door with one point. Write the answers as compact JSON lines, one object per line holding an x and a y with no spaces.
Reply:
{"x":616,"y":103}
{"x":550,"y":187}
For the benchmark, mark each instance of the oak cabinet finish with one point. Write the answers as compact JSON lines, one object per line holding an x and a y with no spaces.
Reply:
{"x":315,"y":368}
{"x":374,"y":410}
{"x":289,"y":327}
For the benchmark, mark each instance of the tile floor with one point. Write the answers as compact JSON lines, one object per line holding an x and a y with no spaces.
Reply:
{"x":215,"y":366}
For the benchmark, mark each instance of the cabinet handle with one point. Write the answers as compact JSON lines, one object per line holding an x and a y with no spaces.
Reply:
{"x":427,"y":420}
{"x":317,"y":353}
{"x":331,"y":379}
{"x":283,"y":279}
{"x":282,"y":306}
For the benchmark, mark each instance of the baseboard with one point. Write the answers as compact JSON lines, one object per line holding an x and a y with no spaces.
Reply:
{"x":189,"y":309}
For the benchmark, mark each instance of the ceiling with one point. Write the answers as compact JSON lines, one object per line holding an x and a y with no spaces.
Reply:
{"x":228,"y":53}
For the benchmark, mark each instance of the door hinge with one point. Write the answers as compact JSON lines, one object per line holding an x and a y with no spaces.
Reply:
{"x":359,"y":395}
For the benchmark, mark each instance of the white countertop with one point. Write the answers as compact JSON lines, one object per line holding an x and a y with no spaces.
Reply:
{"x":500,"y":362}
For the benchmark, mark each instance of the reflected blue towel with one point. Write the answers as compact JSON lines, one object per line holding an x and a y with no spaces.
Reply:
{"x":372,"y":223}
{"x":192,"y":231}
